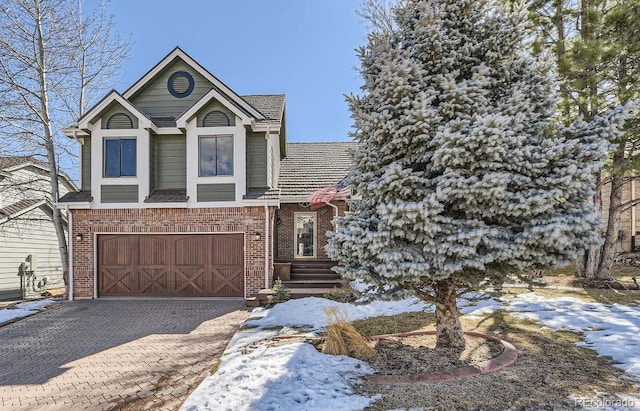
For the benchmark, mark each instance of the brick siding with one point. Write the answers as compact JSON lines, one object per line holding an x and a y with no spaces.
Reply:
{"x":248,"y":220}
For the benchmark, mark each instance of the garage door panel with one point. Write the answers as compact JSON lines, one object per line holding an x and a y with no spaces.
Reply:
{"x":191,"y":281}
{"x":118,"y":250}
{"x":196,"y":265}
{"x":228,"y":280}
{"x":223,"y":250}
{"x":117,"y":281}
{"x":153,"y":280}
{"x":192,"y":250}
{"x":153,"y":250}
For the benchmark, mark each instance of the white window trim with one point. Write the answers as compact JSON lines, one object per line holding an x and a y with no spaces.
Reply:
{"x":141,"y":179}
{"x":193,"y":163}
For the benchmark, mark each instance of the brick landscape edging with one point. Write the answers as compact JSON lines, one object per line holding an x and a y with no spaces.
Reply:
{"x":508,"y":356}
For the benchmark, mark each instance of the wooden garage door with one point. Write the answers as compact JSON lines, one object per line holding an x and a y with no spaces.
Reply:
{"x":170,"y":265}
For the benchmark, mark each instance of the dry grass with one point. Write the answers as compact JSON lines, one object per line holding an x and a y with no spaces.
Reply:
{"x":394,"y":324}
{"x":549,"y":370}
{"x":342,"y":338}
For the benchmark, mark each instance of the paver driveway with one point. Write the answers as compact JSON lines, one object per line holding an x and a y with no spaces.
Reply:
{"x":113,"y":354}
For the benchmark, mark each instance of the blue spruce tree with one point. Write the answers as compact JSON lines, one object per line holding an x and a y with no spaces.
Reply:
{"x":463,"y":175}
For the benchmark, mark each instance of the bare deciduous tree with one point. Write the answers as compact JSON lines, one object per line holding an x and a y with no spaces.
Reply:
{"x":54,"y":60}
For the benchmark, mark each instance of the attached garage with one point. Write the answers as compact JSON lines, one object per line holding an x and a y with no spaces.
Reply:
{"x":170,"y":265}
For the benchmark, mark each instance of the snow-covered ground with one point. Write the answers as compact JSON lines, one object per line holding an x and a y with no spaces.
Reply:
{"x":256,"y":374}
{"x":23,"y":310}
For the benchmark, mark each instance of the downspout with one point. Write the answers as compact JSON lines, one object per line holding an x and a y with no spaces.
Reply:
{"x":335,"y":207}
{"x":633,"y":215}
{"x":70,"y":250}
{"x":266,"y":245}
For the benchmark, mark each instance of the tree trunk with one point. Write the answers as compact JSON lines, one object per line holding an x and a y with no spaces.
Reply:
{"x":58,"y":221}
{"x":587,"y":264}
{"x":448,"y":328}
{"x":613,"y":220}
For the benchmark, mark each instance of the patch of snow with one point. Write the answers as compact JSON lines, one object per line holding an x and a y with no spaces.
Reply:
{"x":286,"y":377}
{"x":256,"y":374}
{"x":23,"y":309}
{"x":478,"y":304}
{"x":610,"y":330}
{"x":307,"y":313}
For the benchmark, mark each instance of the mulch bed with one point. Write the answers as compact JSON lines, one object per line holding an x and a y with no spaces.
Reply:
{"x":417,"y":355}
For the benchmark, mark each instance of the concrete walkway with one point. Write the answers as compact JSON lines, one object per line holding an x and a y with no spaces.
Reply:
{"x":113,"y":354}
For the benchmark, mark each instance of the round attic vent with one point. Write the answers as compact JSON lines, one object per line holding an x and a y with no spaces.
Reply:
{"x":180,"y":84}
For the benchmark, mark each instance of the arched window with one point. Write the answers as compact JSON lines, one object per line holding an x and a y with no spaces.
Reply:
{"x":119,"y":120}
{"x":216,"y":118}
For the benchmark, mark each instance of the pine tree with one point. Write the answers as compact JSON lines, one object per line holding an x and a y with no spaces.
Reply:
{"x":596,"y":46}
{"x":462,"y":176}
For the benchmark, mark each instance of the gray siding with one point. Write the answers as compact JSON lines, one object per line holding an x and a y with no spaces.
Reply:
{"x":274,"y":154}
{"x":216,"y":105}
{"x":86,"y":164}
{"x":256,"y":160}
{"x":153,"y":153}
{"x":216,"y":192}
{"x":119,"y":194}
{"x":117,"y":108}
{"x":156,"y":100}
{"x":171,"y":162}
{"x":30,"y":234}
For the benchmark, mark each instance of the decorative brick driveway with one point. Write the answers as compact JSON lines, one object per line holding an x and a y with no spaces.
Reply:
{"x":113,"y":354}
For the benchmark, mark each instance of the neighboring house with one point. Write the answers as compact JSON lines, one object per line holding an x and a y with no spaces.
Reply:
{"x":29,"y":254}
{"x":629,"y":226}
{"x":189,"y":189}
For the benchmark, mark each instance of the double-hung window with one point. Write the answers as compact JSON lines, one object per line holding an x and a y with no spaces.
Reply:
{"x":120,"y":157}
{"x":216,"y":155}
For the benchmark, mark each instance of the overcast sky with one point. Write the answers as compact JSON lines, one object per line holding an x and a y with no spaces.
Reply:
{"x":301,"y":48}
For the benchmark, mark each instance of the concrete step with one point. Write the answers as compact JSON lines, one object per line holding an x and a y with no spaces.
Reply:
{"x":309,"y":292}
{"x":313,"y":283}
{"x":315,"y":276}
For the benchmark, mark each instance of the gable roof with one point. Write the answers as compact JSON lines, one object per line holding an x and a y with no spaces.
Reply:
{"x":12,"y":163}
{"x":16,"y":209}
{"x":270,"y":105}
{"x":178,"y":53}
{"x":113,"y":96}
{"x":309,"y":166}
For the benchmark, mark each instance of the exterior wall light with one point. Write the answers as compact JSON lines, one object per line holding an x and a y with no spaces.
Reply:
{"x":79,"y":237}
{"x":258,"y":236}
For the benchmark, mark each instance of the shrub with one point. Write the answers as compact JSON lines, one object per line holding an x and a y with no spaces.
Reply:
{"x":280,"y":293}
{"x":342,"y":338}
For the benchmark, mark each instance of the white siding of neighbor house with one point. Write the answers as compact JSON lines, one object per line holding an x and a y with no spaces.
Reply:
{"x":29,"y":234}
{"x":26,"y":183}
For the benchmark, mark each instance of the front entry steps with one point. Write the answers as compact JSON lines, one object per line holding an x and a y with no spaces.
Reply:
{"x":303,"y":278}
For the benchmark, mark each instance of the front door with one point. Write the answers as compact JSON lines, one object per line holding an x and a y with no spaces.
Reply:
{"x":305,"y":235}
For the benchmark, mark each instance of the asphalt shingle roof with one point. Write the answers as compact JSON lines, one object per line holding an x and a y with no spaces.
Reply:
{"x":76,"y":197}
{"x":16,"y":208}
{"x":312,"y":165}
{"x":262,"y":194}
{"x":167,"y":196}
{"x":270,"y":105}
{"x":10,"y":161}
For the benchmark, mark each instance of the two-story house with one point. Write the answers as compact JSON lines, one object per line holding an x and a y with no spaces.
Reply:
{"x":29,"y":254}
{"x":180,"y":189}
